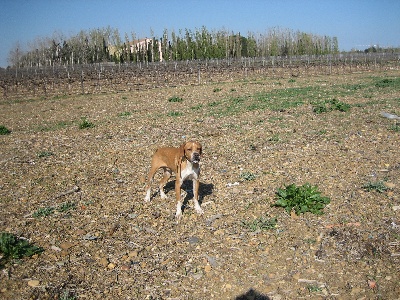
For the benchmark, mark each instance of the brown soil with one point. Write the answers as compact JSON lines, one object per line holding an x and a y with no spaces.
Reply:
{"x":113,"y":245}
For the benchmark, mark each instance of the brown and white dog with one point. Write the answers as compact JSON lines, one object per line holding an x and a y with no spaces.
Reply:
{"x":185,"y":163}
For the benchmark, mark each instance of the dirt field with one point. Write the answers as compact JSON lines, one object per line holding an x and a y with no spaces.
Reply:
{"x":78,"y":193}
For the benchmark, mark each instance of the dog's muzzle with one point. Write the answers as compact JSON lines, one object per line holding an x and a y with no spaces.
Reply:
{"x":195,"y":158}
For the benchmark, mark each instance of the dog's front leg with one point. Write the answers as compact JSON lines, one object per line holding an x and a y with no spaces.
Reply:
{"x":178,"y":214}
{"x":197,"y":207}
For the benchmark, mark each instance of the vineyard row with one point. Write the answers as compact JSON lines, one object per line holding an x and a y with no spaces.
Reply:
{"x":98,"y":78}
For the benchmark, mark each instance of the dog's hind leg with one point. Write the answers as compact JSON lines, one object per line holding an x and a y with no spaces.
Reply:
{"x":148,"y":184}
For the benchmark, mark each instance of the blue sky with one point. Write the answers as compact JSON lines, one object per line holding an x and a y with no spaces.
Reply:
{"x":356,"y":24}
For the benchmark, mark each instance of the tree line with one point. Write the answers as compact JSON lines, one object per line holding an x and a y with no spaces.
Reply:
{"x":107,"y":45}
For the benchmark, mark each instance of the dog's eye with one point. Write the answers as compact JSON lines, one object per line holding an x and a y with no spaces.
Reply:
{"x":190,"y":149}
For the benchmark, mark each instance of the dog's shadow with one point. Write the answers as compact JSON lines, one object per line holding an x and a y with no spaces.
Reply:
{"x":253,"y":295}
{"x":205,"y":189}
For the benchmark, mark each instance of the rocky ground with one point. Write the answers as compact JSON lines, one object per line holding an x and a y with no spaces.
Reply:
{"x":78,"y":193}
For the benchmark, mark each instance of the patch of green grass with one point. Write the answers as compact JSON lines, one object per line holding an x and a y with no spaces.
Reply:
{"x":276,"y":100}
{"x":67,"y":295}
{"x":47,"y":211}
{"x":353,"y":87}
{"x":217,"y":90}
{"x":4,"y":130}
{"x":125,"y":114}
{"x":18,"y":101}
{"x":43,"y":212}
{"x":174,"y":114}
{"x":12,"y":247}
{"x":85,"y":124}
{"x":283,"y":99}
{"x":388,"y":82}
{"x":45,"y":154}
{"x":58,"y":125}
{"x":275,"y":119}
{"x":261,"y":223}
{"x":314,"y":288}
{"x":395,"y":127}
{"x":175,"y":99}
{"x":252,"y":147}
{"x":197,"y":107}
{"x":320,"y":108}
{"x":58,"y":97}
{"x":301,"y":199}
{"x":310,"y":241}
{"x":66,"y":206}
{"x":214,"y":103}
{"x":274,"y":138}
{"x":331,"y":105}
{"x":378,"y":186}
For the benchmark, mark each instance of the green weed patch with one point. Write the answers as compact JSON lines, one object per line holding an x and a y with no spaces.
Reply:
{"x":175,"y":99}
{"x":56,"y":126}
{"x":261,"y":223}
{"x":47,"y":211}
{"x":301,"y":199}
{"x":247,"y":176}
{"x":84,"y":124}
{"x":43,"y":154}
{"x":378,"y":186}
{"x":174,"y":114}
{"x":12,"y":247}
{"x":388,"y":83}
{"x":125,"y":114}
{"x":4,"y":130}
{"x":331,"y":105}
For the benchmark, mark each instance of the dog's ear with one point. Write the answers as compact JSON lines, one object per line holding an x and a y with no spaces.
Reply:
{"x":182,"y":150}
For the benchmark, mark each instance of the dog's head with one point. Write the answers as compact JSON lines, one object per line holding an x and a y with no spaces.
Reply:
{"x":191,"y":151}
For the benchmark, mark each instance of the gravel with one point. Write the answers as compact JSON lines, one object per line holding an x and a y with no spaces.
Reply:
{"x":110,"y":244}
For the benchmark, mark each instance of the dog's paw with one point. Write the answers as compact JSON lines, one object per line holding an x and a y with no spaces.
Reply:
{"x":147,"y":198}
{"x":199,"y":210}
{"x":178,"y":215}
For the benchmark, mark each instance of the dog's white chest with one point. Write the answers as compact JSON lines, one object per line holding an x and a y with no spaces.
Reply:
{"x":190,"y":172}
